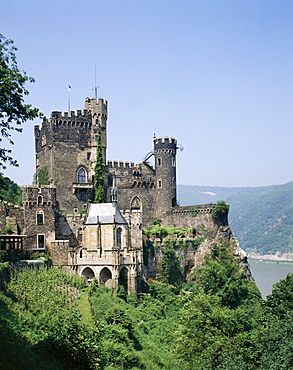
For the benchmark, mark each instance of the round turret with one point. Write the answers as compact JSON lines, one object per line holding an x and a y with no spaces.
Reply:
{"x":165,"y":162}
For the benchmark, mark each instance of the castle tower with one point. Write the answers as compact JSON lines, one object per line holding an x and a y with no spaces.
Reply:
{"x":39,"y":217}
{"x":66,"y":146}
{"x":99,"y":110}
{"x":165,"y":162}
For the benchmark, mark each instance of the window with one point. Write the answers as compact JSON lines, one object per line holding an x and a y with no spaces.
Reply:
{"x":118,"y":237}
{"x":159,"y":183}
{"x":40,"y":217}
{"x":40,"y":199}
{"x":159,"y":161}
{"x":41,"y":241}
{"x":88,"y":156}
{"x":81,"y":176}
{"x":173,"y":162}
{"x":135,"y":203}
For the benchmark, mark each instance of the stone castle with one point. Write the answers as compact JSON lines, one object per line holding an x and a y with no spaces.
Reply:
{"x":104,"y":240}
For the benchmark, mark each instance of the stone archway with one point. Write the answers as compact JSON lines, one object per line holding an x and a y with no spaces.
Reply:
{"x":105,"y":276}
{"x":123,"y":278}
{"x":88,"y":273}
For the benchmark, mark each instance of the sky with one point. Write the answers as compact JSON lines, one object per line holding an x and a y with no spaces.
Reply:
{"x":216,"y":75}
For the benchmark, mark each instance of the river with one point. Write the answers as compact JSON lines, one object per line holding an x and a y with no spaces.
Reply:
{"x":268,"y":273}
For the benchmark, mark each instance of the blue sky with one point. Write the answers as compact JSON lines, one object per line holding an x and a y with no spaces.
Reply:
{"x":217,"y":75}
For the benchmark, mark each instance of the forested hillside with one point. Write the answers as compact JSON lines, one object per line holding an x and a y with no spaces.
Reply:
{"x":261,"y":218}
{"x":50,"y":320}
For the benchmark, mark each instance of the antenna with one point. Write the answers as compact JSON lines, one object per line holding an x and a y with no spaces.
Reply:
{"x":96,"y":90}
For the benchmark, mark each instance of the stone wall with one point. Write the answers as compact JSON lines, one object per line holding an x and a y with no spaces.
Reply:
{"x":60,"y":252}
{"x":136,"y":187}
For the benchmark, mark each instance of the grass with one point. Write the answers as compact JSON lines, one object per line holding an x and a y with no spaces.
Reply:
{"x":85,"y":309}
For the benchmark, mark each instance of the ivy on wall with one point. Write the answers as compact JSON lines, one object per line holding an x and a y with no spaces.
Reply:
{"x":99,"y":174}
{"x":43,"y":176}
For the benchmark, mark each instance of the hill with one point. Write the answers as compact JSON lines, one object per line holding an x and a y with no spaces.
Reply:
{"x":194,"y":194}
{"x":261,"y":218}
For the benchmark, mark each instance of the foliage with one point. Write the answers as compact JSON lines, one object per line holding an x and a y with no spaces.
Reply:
{"x":10,"y":191}
{"x":280,"y":301}
{"x":221,"y":276}
{"x":194,"y":211}
{"x":163,"y":231}
{"x":171,"y":271}
{"x":81,"y":211}
{"x":43,"y":176}
{"x":139,"y":333}
{"x":13,"y":110}
{"x":208,"y":329}
{"x":220,"y":211}
{"x":40,"y":319}
{"x":99,"y":174}
{"x":41,"y":325}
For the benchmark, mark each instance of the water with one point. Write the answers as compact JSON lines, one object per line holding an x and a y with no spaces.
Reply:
{"x":267,"y":274}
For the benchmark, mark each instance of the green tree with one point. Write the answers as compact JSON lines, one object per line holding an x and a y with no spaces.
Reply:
{"x":220,"y":212}
{"x":171,"y":271}
{"x":210,"y":332}
{"x":280,"y":301}
{"x":99,"y":174}
{"x":43,"y":176}
{"x":10,"y":191}
{"x":13,"y":110}
{"x":221,"y":275}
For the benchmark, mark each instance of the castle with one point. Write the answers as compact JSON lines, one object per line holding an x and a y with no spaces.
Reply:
{"x":104,"y":240}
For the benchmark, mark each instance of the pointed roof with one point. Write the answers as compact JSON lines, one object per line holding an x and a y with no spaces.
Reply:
{"x":104,"y":213}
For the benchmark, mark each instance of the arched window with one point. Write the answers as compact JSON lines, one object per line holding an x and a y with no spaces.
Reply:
{"x":105,"y":275}
{"x":88,"y":273}
{"x":135,"y":203}
{"x":40,"y":217}
{"x":40,"y":199}
{"x":159,"y":183}
{"x":118,"y":237}
{"x":81,"y":176}
{"x":123,"y":278}
{"x":159,"y":161}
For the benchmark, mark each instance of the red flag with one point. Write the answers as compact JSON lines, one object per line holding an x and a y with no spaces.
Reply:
{"x":69,"y":87}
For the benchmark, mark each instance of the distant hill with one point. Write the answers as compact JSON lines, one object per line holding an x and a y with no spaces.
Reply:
{"x":261,"y":218}
{"x":194,"y":194}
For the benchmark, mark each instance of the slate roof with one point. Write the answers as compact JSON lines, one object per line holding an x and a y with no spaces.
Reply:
{"x":104,"y":213}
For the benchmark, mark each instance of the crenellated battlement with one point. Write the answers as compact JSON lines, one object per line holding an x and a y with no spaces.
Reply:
{"x":98,"y":108}
{"x":33,"y":195}
{"x":85,"y":113}
{"x":165,"y":143}
{"x":80,"y":118}
{"x":121,"y":164}
{"x":193,"y":210}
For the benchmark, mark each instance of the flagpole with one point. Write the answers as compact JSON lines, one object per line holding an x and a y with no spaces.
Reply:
{"x":69,"y":88}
